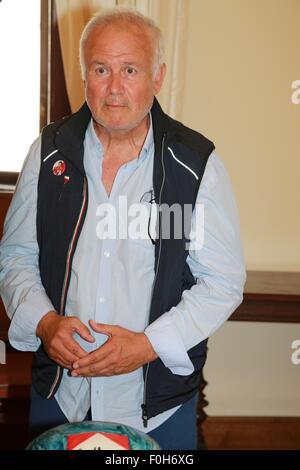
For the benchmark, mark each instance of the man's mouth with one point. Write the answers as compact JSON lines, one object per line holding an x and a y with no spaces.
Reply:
{"x":115,"y":105}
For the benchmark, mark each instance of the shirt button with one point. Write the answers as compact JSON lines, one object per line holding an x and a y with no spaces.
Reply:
{"x":102,"y":300}
{"x":107,"y":254}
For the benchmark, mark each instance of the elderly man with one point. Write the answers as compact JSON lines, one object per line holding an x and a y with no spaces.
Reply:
{"x":119,"y":324}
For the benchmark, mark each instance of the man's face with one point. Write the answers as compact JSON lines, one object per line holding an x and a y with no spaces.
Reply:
{"x":119,"y":81}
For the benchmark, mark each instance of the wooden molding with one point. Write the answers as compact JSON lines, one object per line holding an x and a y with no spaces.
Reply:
{"x":45,"y":64}
{"x":15,"y":375}
{"x":252,"y":433}
{"x":8,"y":178}
{"x":5,"y":199}
{"x":54,"y":101}
{"x":270,"y":297}
{"x":268,"y":308}
{"x":273,"y":282}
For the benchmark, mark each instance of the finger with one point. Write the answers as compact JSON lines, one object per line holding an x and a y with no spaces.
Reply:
{"x":93,"y":370}
{"x":74,"y":348}
{"x":94,"y":357}
{"x":83,"y":331}
{"x":69,"y":357}
{"x":68,"y":351}
{"x":89,"y":371}
{"x":62,"y":360}
{"x":102,"y":328}
{"x":66,"y":356}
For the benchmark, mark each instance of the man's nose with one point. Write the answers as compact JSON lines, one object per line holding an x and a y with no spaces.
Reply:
{"x":116,"y":84}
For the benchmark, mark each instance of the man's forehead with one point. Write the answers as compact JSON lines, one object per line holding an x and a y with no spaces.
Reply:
{"x":121,"y":33}
{"x":99,"y":54}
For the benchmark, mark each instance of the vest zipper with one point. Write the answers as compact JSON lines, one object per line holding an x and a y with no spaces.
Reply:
{"x":144,"y":404}
{"x":67,"y":276}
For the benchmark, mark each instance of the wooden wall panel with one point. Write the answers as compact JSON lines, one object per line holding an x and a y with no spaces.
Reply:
{"x":5,"y":199}
{"x":252,"y":433}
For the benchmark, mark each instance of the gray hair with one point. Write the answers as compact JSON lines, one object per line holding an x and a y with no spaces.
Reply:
{"x":122,"y":15}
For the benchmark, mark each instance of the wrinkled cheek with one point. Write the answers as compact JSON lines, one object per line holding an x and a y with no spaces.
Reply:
{"x":95,"y":103}
{"x":94,"y":93}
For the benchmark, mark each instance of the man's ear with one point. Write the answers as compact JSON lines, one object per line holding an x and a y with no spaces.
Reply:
{"x":159,"y":78}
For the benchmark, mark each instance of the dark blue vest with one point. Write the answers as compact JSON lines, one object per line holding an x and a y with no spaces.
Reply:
{"x":61,"y":211}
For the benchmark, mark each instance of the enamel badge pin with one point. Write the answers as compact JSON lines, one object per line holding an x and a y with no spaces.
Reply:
{"x":59,"y":168}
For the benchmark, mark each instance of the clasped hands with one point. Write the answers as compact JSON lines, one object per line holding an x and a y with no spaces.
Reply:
{"x":123,"y":352}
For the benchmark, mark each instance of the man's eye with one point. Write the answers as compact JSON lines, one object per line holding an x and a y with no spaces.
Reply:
{"x":101,"y":70}
{"x":131,"y":71}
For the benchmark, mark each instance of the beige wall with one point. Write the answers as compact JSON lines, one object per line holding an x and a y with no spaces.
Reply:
{"x":243,"y":56}
{"x":250,"y":372}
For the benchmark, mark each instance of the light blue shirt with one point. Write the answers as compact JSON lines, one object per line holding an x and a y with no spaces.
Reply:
{"x":111,"y":279}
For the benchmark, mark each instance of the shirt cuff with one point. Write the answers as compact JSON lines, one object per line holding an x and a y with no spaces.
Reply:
{"x":22,"y":330}
{"x":168,"y":345}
